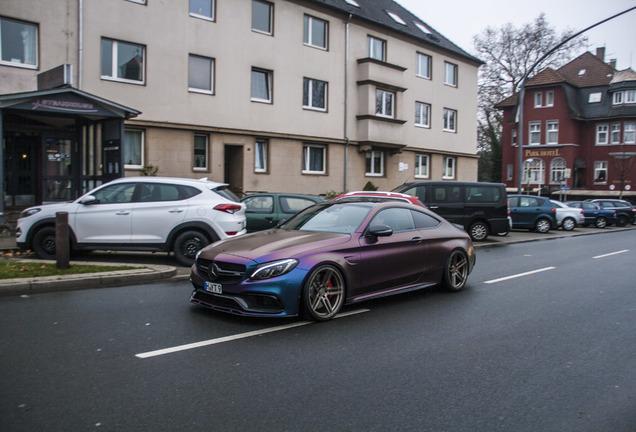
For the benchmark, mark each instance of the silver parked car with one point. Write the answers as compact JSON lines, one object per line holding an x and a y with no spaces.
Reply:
{"x":568,"y":217}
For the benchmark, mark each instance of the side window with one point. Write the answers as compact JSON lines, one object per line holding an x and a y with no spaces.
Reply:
{"x":294,"y":205}
{"x":513,"y":201}
{"x":151,"y":192}
{"x":115,"y":194}
{"x":418,"y":191}
{"x":399,"y":219}
{"x":424,"y":221}
{"x":482,"y":194}
{"x":451,"y":194}
{"x":259,"y":204}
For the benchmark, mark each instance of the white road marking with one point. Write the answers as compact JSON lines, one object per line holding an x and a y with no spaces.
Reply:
{"x":610,"y":254}
{"x":519,"y":275}
{"x":236,"y":337}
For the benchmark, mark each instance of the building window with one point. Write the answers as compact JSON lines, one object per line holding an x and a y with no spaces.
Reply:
{"x":314,"y":159}
{"x":261,"y":148}
{"x":422,"y":164}
{"x":535,"y":133}
{"x":553,"y":132}
{"x":617,"y":98}
{"x":202,"y":9}
{"x":422,"y":114}
{"x":449,"y":168}
{"x":261,"y":85}
{"x":595,"y":97}
{"x":134,"y":148}
{"x":376,"y":48}
{"x":450,"y":120}
{"x":630,"y":96}
{"x":423,"y":66}
{"x":600,"y":172}
{"x":615,"y":134}
{"x":200,"y":74}
{"x":509,"y":172}
{"x":450,"y":74}
{"x":557,"y":170}
{"x":601,"y":134}
{"x":384,"y":103}
{"x":315,"y":32}
{"x":122,"y":61}
{"x":18,"y":43}
{"x":549,"y":98}
{"x":314,"y":94}
{"x":629,"y":135}
{"x":262,"y":17}
{"x":374,"y":163}
{"x":200,"y":152}
{"x":513,"y":138}
{"x":534,"y":171}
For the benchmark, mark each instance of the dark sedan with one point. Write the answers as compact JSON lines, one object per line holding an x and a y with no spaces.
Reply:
{"x":332,"y":254}
{"x":594,"y":213}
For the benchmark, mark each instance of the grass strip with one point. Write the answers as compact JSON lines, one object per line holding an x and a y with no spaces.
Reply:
{"x":16,"y":269}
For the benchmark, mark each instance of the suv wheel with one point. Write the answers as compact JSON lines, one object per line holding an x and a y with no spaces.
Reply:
{"x":542,"y":225}
{"x":187,"y":244}
{"x":44,"y":243}
{"x":621,"y":220}
{"x":478,"y":231}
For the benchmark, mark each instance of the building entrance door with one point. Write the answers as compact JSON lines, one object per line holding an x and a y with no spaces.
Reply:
{"x":58,"y":168}
{"x":21,"y":169}
{"x":234,"y":168}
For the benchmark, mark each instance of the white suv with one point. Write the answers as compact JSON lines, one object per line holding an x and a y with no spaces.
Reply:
{"x":139,"y":213}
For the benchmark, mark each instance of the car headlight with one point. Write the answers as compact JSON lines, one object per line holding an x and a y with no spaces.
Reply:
{"x":29,"y":212}
{"x":274,"y":269}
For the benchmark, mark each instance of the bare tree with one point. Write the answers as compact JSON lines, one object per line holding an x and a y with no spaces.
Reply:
{"x":509,"y":53}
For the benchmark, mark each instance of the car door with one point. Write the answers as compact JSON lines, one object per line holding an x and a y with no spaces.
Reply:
{"x":393,"y":261}
{"x":159,"y":208}
{"x":525,"y":211}
{"x":259,"y":212}
{"x":448,"y":202}
{"x":107,"y":219}
{"x":289,"y":205}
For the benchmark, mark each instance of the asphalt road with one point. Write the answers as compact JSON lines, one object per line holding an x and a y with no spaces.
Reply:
{"x":543,"y":339}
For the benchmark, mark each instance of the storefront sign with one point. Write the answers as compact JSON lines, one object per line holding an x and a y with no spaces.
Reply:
{"x":542,"y":153}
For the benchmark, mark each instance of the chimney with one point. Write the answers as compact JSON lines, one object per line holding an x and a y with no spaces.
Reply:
{"x":612,"y":63}
{"x":600,"y":54}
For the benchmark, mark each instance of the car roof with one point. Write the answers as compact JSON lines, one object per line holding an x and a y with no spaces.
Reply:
{"x":174,"y":180}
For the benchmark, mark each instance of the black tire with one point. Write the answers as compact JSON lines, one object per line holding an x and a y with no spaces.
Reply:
{"x":568,"y":224}
{"x":600,"y":222}
{"x":323,"y":293}
{"x":478,"y":231}
{"x":44,"y":243}
{"x":621,"y":220}
{"x":187,"y":244}
{"x":456,"y":271}
{"x":542,"y":225}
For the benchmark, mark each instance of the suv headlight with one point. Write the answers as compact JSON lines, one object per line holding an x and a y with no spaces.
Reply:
{"x":30,"y":212}
{"x":274,"y":269}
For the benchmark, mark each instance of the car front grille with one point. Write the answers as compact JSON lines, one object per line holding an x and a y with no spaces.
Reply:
{"x":220,"y":272}
{"x":248,"y":304}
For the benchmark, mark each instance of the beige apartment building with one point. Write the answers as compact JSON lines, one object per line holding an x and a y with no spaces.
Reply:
{"x":306,"y":96}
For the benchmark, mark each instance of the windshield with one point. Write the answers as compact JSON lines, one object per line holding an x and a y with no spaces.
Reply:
{"x":344,"y":218}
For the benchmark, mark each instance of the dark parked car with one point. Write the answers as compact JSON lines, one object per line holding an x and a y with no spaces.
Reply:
{"x":266,"y":210}
{"x":332,"y":254}
{"x":594,"y":213}
{"x":625,"y":212}
{"x":532,"y":212}
{"x":481,"y":208}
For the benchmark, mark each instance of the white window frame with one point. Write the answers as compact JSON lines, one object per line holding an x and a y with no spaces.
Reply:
{"x":534,"y":171}
{"x":422,"y":165}
{"x":308,"y":35}
{"x":376,"y":48}
{"x":210,"y":89}
{"x":307,"y":159}
{"x":629,"y":133}
{"x":630,"y":96}
{"x":451,"y":74}
{"x":513,"y":138}
{"x":308,"y":94}
{"x":206,"y":155}
{"x":595,"y":97}
{"x":552,"y":132}
{"x":600,"y":167}
{"x":509,"y":172}
{"x":114,"y":66}
{"x":534,"y":130}
{"x":615,"y":133}
{"x":384,"y":103}
{"x":142,"y":146}
{"x":449,"y":168}
{"x":602,"y":134}
{"x":423,"y":65}
{"x":549,"y":98}
{"x":423,"y":115}
{"x":557,"y":170}
{"x":538,"y":99}
{"x":450,"y":120}
{"x":261,"y":156}
{"x":270,"y":7}
{"x":268,"y":82}
{"x":30,"y":49}
{"x":201,"y":15}
{"x":617,"y":98}
{"x":371,"y":158}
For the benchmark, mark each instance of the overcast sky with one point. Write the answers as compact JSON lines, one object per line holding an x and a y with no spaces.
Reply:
{"x":460,"y":20}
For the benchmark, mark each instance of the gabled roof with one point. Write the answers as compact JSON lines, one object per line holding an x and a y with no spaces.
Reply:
{"x":401,"y":20}
{"x":587,"y":70}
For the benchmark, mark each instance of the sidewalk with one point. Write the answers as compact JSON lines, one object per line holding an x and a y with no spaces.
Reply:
{"x":148,"y":271}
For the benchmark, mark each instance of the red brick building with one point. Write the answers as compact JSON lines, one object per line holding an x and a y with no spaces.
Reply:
{"x":579,"y":131}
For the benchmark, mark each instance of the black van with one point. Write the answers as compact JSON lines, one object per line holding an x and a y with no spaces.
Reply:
{"x":481,"y":208}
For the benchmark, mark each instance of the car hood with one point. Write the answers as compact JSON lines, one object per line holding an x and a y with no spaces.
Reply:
{"x":274,"y":244}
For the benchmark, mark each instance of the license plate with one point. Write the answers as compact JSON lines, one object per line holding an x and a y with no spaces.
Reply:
{"x":213,"y":287}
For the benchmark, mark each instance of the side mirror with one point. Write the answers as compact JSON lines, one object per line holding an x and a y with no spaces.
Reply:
{"x":89,"y":199}
{"x":380,"y":231}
